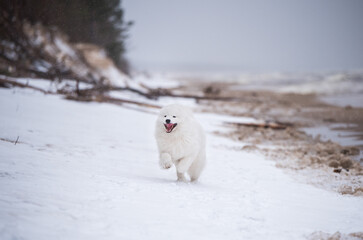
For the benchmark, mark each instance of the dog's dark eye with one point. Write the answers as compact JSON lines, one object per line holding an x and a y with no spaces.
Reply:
{"x":174,"y":117}
{"x":165,"y":116}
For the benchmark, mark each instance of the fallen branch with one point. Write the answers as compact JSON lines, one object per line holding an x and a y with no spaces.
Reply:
{"x":5,"y":82}
{"x":267,"y":124}
{"x":153,"y":93}
{"x":82,"y":97}
{"x":106,"y":88}
{"x":97,"y":94}
{"x":196,"y":97}
{"x":102,"y":98}
{"x":11,"y":141}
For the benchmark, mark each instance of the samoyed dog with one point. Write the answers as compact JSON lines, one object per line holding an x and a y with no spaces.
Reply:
{"x":181,"y":141}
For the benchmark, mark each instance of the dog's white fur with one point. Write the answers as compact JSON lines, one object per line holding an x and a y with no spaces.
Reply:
{"x":184,"y":146}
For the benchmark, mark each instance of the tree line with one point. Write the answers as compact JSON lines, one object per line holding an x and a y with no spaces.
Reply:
{"x":100,"y":22}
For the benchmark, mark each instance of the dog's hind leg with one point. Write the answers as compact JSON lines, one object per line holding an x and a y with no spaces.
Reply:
{"x":181,"y":177}
{"x":182,"y":166}
{"x":194,"y":174}
{"x":196,"y":168}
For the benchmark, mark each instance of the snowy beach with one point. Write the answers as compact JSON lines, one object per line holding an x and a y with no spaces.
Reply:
{"x":277,"y":87}
{"x":89,"y":171}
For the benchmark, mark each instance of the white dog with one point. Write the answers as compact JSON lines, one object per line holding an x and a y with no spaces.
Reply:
{"x":181,"y":141}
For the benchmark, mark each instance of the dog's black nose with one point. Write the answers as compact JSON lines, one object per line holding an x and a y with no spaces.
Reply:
{"x":167,"y":120}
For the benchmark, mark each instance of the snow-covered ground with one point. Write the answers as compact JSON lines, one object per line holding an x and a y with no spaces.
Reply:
{"x":90,"y":171}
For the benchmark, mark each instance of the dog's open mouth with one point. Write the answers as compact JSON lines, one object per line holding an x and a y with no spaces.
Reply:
{"x":169,"y":127}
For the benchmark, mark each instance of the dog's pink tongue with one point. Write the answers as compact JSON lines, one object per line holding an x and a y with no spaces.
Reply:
{"x":169,"y":126}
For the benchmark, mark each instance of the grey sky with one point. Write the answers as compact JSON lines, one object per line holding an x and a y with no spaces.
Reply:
{"x":237,"y":35}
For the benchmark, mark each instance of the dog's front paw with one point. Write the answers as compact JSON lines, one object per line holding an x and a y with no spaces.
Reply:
{"x":166,"y":165}
{"x":165,"y":161}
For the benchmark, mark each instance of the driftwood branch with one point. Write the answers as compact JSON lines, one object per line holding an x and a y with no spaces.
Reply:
{"x":196,"y":97}
{"x":155,"y":94}
{"x":102,"y":98}
{"x":5,"y":83}
{"x":105,"y":88}
{"x":86,"y":98}
{"x":96,"y":94}
{"x":267,"y":124}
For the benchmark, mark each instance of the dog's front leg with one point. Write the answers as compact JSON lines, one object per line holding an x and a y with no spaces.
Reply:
{"x":165,"y":160}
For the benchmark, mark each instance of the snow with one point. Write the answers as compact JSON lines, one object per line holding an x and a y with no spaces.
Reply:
{"x":115,"y":76}
{"x":157,"y":80}
{"x":64,"y":47}
{"x":89,"y":171}
{"x":46,"y":85}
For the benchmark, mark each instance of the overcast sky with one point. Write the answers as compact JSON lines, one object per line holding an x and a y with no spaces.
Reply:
{"x":253,"y":36}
